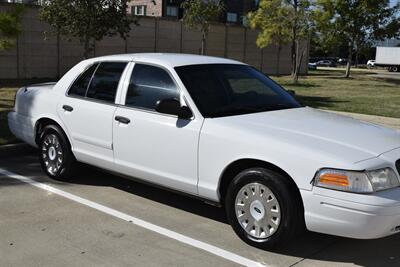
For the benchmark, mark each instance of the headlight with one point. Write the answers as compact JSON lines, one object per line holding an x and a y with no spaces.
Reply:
{"x":356,"y":181}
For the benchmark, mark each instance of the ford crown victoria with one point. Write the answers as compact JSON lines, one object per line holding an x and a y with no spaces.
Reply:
{"x":222,"y":131}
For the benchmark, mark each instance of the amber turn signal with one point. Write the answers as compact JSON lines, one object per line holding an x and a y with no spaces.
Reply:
{"x":334,"y":179}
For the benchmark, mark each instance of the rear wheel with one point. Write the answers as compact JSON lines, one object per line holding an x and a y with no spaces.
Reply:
{"x":55,"y":153}
{"x":261,"y":207}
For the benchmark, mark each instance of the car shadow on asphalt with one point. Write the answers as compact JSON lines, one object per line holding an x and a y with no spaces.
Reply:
{"x":321,"y":249}
{"x":314,"y":246}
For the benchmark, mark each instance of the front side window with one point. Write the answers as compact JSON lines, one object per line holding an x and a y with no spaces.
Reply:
{"x":81,"y":84}
{"x":105,"y":81}
{"x":148,"y":85}
{"x":232,"y":89}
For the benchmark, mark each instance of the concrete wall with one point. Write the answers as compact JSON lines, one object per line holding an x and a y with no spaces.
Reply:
{"x":47,"y":56}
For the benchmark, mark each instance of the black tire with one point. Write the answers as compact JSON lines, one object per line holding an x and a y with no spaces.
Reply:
{"x":291,"y":212}
{"x":63,"y":169}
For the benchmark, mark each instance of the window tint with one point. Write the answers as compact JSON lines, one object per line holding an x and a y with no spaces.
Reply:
{"x":148,"y":85}
{"x":80,"y":86}
{"x":105,"y":81}
{"x":230,"y":89}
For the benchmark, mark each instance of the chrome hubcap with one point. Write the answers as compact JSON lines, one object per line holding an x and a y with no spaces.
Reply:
{"x":257,"y":210}
{"x":52,"y":154}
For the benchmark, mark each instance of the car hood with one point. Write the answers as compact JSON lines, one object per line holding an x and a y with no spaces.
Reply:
{"x":330,"y":133}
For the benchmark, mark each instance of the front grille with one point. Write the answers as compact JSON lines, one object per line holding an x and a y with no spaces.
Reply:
{"x":398,"y":166}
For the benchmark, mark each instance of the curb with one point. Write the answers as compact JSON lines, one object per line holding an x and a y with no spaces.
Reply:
{"x":15,"y":149}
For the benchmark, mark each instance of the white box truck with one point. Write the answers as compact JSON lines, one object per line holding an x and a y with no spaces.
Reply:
{"x":388,"y":57}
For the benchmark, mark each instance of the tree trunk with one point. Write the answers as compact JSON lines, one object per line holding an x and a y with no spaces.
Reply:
{"x":295,"y":75}
{"x":278,"y":60}
{"x":295,"y":48}
{"x":298,"y":66}
{"x":356,"y":58}
{"x":86,"y":52}
{"x":294,"y":55}
{"x":349,"y":58}
{"x":203,"y":43}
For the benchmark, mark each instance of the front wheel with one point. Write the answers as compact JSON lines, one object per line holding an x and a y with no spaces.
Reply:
{"x":55,"y":153}
{"x":262,"y":208}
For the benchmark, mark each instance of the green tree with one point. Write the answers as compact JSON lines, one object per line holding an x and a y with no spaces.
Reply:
{"x":199,"y":14}
{"x":10,"y":27}
{"x":359,"y":22}
{"x":282,"y":22}
{"x":88,"y":20}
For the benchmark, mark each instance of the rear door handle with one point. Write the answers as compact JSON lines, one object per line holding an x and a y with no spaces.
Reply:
{"x":122,"y":119}
{"x":68,"y":108}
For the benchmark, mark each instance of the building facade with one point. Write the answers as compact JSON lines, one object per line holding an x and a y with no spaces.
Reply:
{"x":150,"y":8}
{"x":235,"y":10}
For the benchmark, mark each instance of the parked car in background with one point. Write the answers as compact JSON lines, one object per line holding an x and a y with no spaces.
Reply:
{"x":326,"y":63}
{"x":222,"y":131}
{"x":312,"y":66}
{"x":342,"y":61}
{"x":371,"y":64}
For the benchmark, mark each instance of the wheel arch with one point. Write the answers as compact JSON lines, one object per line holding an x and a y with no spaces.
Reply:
{"x":237,"y":166}
{"x":43,"y":122}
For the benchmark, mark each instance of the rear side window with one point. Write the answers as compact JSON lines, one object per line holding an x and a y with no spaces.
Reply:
{"x":80,"y":86}
{"x":105,"y":81}
{"x":148,"y":85}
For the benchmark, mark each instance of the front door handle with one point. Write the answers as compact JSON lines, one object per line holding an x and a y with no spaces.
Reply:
{"x":68,"y":108}
{"x":122,"y":119}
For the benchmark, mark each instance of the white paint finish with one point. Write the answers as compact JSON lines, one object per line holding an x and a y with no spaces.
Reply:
{"x":90,"y":126}
{"x":299,"y":141}
{"x":327,"y":213}
{"x":144,"y":224}
{"x":158,"y":148}
{"x":388,"y":55}
{"x":191,"y":157}
{"x":22,"y":127}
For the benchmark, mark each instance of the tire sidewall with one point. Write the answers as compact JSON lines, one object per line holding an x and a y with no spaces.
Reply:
{"x":276,"y":183}
{"x":65,"y":146}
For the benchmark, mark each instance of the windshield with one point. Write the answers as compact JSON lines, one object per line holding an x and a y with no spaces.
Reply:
{"x":231,"y":89}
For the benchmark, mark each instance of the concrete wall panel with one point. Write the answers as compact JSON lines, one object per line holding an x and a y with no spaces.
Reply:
{"x":42,"y":55}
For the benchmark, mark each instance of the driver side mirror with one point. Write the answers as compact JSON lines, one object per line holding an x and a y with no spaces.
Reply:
{"x":172,"y":106}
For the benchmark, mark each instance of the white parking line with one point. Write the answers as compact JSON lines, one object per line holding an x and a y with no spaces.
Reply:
{"x":149,"y":226}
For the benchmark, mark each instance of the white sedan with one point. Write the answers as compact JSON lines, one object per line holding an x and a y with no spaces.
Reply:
{"x":222,"y":131}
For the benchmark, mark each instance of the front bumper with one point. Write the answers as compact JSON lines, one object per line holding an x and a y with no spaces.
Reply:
{"x":23,"y":127}
{"x":362,"y":216}
{"x":326,"y":211}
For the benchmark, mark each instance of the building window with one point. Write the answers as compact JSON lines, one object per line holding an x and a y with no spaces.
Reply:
{"x":172,"y":11}
{"x":231,"y":17}
{"x":139,"y":10}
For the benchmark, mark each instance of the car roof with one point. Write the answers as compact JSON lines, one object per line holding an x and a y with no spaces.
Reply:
{"x":167,"y":59}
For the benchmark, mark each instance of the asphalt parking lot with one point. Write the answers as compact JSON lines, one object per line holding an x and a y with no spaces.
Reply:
{"x":97,"y":219}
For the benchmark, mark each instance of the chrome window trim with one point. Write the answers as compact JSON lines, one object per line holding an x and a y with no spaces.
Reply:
{"x":87,"y":88}
{"x":178,"y":89}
